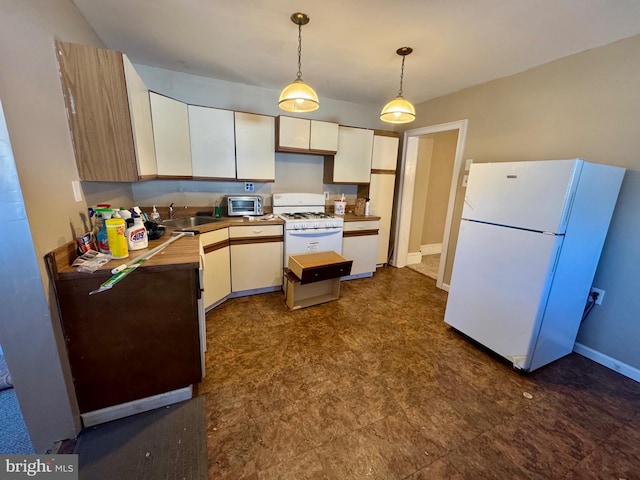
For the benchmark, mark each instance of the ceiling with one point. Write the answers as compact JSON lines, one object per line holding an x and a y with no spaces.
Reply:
{"x":348,"y":47}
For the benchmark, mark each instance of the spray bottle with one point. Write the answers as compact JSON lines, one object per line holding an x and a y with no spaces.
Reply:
{"x":137,"y":234}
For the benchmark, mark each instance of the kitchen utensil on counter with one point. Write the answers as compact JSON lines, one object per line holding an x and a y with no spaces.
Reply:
{"x":126,"y":268}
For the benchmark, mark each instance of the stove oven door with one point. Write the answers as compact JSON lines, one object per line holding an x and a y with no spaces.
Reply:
{"x":311,"y":240}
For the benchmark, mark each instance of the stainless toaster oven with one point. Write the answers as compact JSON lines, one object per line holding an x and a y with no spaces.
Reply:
{"x":240,"y":205}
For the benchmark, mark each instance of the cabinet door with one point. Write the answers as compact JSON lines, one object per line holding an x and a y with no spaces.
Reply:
{"x":217,"y":267}
{"x":255,"y":147}
{"x":324,"y":137}
{"x":352,"y":162}
{"x":212,"y":142}
{"x":256,"y":265}
{"x":95,"y":94}
{"x":171,"y":136}
{"x":362,"y":250}
{"x":217,"y":276}
{"x":385,"y":152}
{"x":293,"y":133}
{"x":381,"y":205}
{"x":140,"y":114}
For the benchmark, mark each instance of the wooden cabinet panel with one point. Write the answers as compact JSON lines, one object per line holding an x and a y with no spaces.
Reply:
{"x":324,"y":137}
{"x":300,"y":135}
{"x":217,"y":266}
{"x":360,"y":244}
{"x":212,"y":142}
{"x":255,"y":147}
{"x":381,"y":205}
{"x":352,"y":163}
{"x":135,"y":341}
{"x":142,"y":127}
{"x":171,"y":136}
{"x":95,"y":93}
{"x":256,"y":265}
{"x":293,"y":134}
{"x":385,"y":152}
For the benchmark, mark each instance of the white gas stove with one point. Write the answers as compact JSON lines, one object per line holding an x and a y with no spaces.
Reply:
{"x":307,"y":227}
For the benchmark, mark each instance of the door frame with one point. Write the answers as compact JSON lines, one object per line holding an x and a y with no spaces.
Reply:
{"x":404,"y":205}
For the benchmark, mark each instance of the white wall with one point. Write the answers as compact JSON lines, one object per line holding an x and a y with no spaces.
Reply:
{"x":585,"y":105}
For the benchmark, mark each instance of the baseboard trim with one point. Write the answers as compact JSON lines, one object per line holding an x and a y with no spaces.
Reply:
{"x":104,"y":415}
{"x":607,"y":361}
{"x":431,"y":249}
{"x":413,"y":258}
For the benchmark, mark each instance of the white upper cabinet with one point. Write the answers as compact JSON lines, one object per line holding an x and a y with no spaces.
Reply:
{"x":255,"y":147}
{"x":352,"y":162}
{"x":212,"y":142}
{"x":306,"y":136}
{"x":140,"y":112}
{"x":324,"y":137}
{"x":171,"y":136}
{"x":385,"y":152}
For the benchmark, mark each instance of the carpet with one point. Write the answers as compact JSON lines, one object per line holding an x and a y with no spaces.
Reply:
{"x":14,"y":436}
{"x":5,"y":376}
{"x":166,"y":443}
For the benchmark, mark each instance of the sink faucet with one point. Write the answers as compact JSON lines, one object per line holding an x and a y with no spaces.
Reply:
{"x":172,"y":210}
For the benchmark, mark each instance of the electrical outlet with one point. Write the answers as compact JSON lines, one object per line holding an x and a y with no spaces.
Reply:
{"x":600,"y":293}
{"x":77,"y":191}
{"x":465,"y":179}
{"x":248,"y":186}
{"x":326,"y":195}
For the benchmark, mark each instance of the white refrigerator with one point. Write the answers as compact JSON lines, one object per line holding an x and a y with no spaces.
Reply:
{"x":529,"y":244}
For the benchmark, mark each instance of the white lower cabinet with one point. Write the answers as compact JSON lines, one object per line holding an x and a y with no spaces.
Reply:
{"x":217,"y":267}
{"x":360,"y":244}
{"x":256,"y":257}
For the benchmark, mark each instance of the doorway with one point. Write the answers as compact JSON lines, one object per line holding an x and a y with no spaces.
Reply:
{"x":407,"y":188}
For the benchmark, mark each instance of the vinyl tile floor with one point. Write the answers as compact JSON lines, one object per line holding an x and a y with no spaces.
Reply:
{"x":376,"y":386}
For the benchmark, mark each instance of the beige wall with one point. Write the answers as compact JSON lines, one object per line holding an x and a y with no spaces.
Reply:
{"x":423,"y":169}
{"x":34,"y":109}
{"x":583,"y":106}
{"x":444,"y":151}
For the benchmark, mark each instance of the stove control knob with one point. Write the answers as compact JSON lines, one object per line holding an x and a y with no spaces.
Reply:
{"x":316,"y":225}
{"x":296,"y":226}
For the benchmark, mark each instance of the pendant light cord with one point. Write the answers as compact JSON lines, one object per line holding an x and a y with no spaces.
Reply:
{"x":401,"y":75}
{"x":299,"y":75}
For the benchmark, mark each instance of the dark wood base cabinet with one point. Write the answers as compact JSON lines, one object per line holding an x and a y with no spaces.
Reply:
{"x":136,"y":340}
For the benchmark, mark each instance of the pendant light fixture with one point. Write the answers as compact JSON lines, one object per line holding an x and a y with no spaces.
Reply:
{"x":399,"y":110}
{"x":298,"y":96}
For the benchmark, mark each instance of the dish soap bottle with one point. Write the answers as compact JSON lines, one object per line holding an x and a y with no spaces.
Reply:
{"x":137,"y":234}
{"x":155,"y":216}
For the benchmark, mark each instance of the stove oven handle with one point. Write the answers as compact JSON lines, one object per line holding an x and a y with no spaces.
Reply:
{"x":315,"y":232}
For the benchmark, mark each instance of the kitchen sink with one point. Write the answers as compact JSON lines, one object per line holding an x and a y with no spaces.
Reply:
{"x":189,"y":222}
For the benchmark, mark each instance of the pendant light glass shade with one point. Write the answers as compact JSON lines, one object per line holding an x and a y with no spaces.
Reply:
{"x":399,"y":110}
{"x":298,"y":96}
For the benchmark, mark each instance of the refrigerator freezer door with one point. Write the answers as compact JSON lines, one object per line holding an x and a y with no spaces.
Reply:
{"x":530,"y":195}
{"x":500,"y":282}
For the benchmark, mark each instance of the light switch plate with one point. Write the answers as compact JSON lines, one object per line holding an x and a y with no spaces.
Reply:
{"x":77,"y":191}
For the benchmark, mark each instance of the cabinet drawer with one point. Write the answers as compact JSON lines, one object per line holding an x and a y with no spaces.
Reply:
{"x":215,"y":236}
{"x":255,"y":231}
{"x":363,"y":227}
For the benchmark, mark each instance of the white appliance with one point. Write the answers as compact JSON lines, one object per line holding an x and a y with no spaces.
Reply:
{"x":530,"y":239}
{"x":307,"y":228}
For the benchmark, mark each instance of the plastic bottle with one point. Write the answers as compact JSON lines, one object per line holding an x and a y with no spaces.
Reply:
{"x":366,"y":207}
{"x":137,"y":234}
{"x":103,"y":240}
{"x":155,"y":216}
{"x":117,"y":240}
